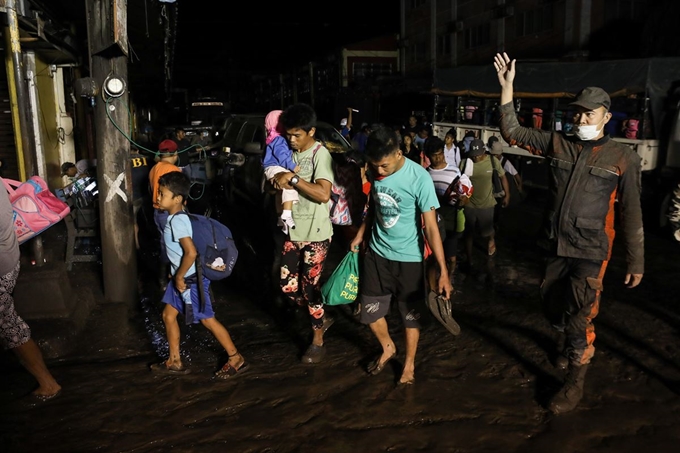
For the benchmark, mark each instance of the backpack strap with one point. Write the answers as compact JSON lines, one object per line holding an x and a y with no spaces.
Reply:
{"x":198,"y":276}
{"x":173,"y":216}
{"x":318,"y":145}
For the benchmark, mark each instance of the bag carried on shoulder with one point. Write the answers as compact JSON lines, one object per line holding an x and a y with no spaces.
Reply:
{"x":339,"y":208}
{"x":339,"y":211}
{"x":35,"y":207}
{"x":342,"y":286}
{"x":498,"y":191}
{"x":217,"y":252}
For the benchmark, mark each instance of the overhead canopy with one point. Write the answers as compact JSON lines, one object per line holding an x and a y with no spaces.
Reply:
{"x":564,"y":79}
{"x":652,"y":76}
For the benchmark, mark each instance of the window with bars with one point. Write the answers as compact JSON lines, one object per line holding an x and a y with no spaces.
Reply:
{"x":478,"y":36}
{"x":371,"y":70}
{"x":534,"y":21}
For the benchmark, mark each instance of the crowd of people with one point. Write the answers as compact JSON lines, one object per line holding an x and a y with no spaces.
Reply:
{"x":410,"y":197}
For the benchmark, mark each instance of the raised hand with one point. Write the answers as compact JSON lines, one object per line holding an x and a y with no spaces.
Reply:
{"x":505,"y":68}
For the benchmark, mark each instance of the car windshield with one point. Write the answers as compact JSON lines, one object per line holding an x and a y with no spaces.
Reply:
{"x":331,"y":138}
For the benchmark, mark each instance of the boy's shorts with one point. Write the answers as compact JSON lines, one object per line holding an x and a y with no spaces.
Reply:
{"x":382,"y":279}
{"x":173,"y":298}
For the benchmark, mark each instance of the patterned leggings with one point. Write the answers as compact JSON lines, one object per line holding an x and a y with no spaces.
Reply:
{"x":301,"y":267}
{"x":13,"y":330}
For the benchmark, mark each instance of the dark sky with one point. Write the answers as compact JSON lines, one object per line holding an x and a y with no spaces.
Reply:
{"x":247,"y":35}
{"x":217,"y":41}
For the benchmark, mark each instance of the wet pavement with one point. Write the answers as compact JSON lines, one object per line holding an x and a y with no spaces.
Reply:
{"x":481,"y":391}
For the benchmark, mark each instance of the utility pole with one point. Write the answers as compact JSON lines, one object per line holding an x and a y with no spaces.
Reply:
{"x":18,"y":93}
{"x":19,"y":98}
{"x":108,"y":47}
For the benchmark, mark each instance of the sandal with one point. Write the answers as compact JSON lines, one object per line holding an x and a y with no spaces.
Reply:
{"x":228,"y":371}
{"x":163,"y":368}
{"x":374,"y":368}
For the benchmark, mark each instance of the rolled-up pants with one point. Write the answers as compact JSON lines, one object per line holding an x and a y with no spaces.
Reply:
{"x":570,"y":291}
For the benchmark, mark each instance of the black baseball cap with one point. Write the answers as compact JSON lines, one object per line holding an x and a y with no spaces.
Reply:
{"x":592,"y":98}
{"x":477,"y":148}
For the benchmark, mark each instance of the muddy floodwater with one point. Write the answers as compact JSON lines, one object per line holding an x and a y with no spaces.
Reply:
{"x":481,"y":391}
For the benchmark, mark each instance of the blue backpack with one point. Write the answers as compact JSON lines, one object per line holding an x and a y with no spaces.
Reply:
{"x":217,"y":252}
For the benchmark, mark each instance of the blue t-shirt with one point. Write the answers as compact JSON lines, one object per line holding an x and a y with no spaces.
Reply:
{"x":179,"y":226}
{"x":400,"y":199}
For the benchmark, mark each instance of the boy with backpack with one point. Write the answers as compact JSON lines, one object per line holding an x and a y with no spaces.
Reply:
{"x":182,"y":294}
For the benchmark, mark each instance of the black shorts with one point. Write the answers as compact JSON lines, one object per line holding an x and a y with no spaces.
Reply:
{"x":381,"y":279}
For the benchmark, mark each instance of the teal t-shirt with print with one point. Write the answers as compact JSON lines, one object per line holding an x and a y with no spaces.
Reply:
{"x":400,"y":199}
{"x":312,"y":221}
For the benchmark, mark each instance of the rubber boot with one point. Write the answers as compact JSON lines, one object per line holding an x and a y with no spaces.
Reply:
{"x":562,"y":358}
{"x":571,"y":392}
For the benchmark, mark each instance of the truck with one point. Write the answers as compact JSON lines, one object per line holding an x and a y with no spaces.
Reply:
{"x":645,"y":96}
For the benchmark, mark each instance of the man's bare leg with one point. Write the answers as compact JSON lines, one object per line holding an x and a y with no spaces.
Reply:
{"x":381,"y":332}
{"x":412,"y":337}
{"x":31,"y":358}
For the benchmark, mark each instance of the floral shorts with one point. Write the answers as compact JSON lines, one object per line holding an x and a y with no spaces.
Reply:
{"x":13,"y":330}
{"x":301,"y":267}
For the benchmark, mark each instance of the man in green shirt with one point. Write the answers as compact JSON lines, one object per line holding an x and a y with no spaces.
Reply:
{"x":479,"y":167}
{"x":306,"y":247}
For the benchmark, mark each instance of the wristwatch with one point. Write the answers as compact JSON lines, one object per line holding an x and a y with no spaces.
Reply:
{"x":294,"y":180}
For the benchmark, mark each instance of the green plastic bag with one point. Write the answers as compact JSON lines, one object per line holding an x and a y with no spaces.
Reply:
{"x":342,"y":286}
{"x":460,"y":224}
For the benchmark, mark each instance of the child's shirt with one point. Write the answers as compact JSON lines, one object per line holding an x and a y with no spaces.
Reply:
{"x":278,"y":153}
{"x":158,"y":170}
{"x":177,"y":227}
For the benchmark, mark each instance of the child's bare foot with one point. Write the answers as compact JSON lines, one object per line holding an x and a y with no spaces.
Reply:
{"x":236,"y":360}
{"x":170,"y":367}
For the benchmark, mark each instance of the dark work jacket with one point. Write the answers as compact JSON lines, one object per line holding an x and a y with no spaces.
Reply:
{"x":586,"y":179}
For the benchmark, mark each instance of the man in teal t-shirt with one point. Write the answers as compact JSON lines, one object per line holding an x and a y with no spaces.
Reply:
{"x":306,"y":247}
{"x":402,"y":193}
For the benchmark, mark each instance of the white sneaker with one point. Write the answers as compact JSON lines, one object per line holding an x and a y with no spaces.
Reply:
{"x":287,"y":219}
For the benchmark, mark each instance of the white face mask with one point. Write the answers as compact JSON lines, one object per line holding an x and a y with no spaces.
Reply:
{"x":587,"y":131}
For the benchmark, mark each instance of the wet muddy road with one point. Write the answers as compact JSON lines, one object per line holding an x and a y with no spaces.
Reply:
{"x":481,"y":391}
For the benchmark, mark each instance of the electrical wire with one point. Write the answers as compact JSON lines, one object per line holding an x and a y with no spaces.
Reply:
{"x":200,"y":147}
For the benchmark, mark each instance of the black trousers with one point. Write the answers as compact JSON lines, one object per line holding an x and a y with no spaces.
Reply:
{"x":570,"y":292}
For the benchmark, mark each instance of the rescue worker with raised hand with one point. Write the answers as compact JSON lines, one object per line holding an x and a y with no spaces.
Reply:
{"x":589,"y":173}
